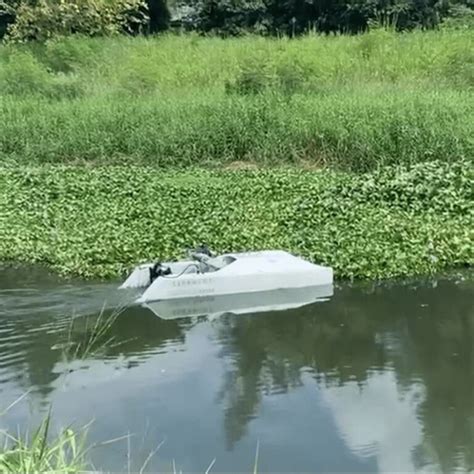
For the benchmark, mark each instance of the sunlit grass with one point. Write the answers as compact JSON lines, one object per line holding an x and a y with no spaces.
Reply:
{"x":67,"y":453}
{"x":353,"y":101}
{"x":40,"y":452}
{"x":87,"y":337}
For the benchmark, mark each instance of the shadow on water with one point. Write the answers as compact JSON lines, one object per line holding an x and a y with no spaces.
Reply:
{"x":378,"y":374}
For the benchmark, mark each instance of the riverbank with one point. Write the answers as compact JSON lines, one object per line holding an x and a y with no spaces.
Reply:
{"x":100,"y":221}
{"x":354,"y":102}
{"x":352,"y":151}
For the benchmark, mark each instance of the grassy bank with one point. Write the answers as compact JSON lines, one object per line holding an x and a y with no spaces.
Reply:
{"x":355,"y":102}
{"x":40,"y":452}
{"x":395,"y":108}
{"x":100,"y":221}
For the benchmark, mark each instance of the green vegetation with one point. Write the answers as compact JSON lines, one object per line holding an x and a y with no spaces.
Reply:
{"x":64,"y":453}
{"x":44,"y":20}
{"x":356,"y":102}
{"x":100,"y":221}
{"x":26,"y":20}
{"x":293,"y":17}
{"x":88,"y":337}
{"x":386,"y":118}
{"x":38,"y":20}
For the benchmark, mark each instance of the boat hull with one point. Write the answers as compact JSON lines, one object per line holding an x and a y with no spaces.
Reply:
{"x":250,"y":272}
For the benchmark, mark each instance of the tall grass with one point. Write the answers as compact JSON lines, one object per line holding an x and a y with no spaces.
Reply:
{"x":354,"y":101}
{"x":90,"y":336}
{"x":40,"y":452}
{"x":66,"y":452}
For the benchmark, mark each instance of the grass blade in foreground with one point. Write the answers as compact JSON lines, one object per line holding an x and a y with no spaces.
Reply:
{"x":64,"y":453}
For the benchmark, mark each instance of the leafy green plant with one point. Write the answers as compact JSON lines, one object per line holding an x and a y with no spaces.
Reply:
{"x":34,"y":77}
{"x":101,"y":221}
{"x":46,"y":19}
{"x":67,"y":54}
{"x":459,"y":68}
{"x":254,"y":77}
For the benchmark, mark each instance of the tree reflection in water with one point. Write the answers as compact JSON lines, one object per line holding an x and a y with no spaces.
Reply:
{"x":418,"y":339}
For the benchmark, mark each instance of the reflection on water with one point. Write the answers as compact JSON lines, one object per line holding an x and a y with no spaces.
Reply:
{"x":392,"y":430}
{"x":241,"y":303}
{"x":378,"y":378}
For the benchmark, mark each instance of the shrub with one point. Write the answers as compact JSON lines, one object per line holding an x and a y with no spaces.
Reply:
{"x":459,"y":67}
{"x":67,"y":54}
{"x":46,"y":19}
{"x":26,"y":76}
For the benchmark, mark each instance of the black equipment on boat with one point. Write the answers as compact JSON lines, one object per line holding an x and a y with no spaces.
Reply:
{"x":158,"y":270}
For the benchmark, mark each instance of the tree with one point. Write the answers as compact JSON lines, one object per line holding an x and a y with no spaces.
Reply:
{"x":293,"y":17}
{"x":41,"y":20}
{"x":159,"y":15}
{"x":7,"y":15}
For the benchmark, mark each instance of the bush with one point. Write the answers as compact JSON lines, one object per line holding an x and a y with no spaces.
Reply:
{"x":459,"y":67}
{"x":254,"y":77}
{"x":46,"y":19}
{"x":34,"y":76}
{"x":67,"y":54}
{"x":460,"y":17}
{"x":295,"y":17}
{"x":26,"y":76}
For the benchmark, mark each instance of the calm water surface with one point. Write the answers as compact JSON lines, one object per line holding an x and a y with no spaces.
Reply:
{"x":380,"y":378}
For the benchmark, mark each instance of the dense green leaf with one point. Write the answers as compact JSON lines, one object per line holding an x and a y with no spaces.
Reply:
{"x":102,"y":221}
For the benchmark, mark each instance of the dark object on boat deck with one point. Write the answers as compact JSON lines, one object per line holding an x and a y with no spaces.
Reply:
{"x":203,"y":249}
{"x":158,"y":270}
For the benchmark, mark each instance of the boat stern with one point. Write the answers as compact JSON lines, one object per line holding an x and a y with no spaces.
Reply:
{"x":139,"y":278}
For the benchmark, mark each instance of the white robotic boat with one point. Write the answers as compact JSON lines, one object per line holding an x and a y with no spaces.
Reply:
{"x":230,"y":274}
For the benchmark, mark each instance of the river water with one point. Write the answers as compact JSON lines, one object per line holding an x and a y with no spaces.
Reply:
{"x":376,"y":378}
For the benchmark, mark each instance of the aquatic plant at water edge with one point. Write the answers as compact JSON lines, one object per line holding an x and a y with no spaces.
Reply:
{"x":101,"y":221}
{"x":65,"y":452}
{"x":89,"y":336}
{"x":41,"y":453}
